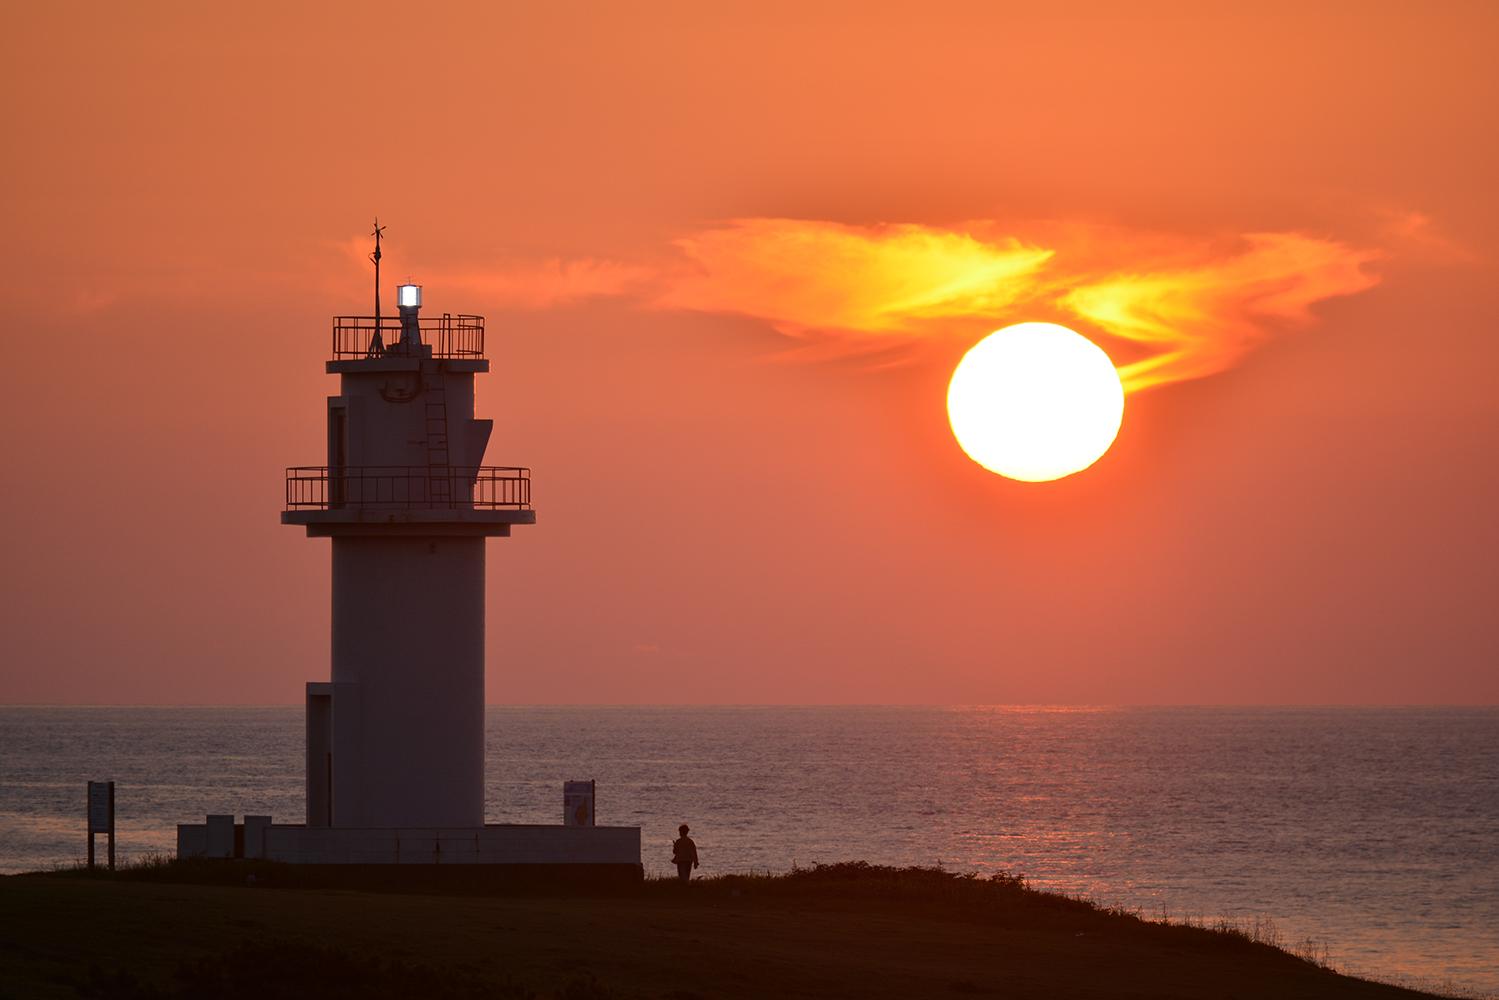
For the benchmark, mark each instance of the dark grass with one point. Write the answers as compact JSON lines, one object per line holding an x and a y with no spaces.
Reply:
{"x":243,"y":928}
{"x":284,"y":968}
{"x":1000,"y":898}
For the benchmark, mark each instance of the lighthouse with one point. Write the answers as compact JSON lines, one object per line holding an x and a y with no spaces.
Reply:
{"x":395,"y":735}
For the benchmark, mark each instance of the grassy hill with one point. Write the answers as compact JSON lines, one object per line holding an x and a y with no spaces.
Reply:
{"x":229,"y":930}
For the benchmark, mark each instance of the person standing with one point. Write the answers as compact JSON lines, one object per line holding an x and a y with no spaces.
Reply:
{"x":684,"y":854}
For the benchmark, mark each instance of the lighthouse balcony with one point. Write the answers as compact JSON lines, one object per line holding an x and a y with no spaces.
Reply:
{"x":423,"y":499}
{"x":398,"y":341}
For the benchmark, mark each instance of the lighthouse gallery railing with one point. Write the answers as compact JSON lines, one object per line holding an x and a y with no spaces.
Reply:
{"x":354,"y":337}
{"x":413,"y":487}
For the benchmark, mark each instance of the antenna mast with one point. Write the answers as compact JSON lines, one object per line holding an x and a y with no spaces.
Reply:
{"x":377,"y":342}
{"x":379,"y":231}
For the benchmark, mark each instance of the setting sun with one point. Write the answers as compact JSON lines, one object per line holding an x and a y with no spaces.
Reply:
{"x":1035,"y":402}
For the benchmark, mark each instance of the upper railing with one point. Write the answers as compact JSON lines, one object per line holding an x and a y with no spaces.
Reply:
{"x":354,"y":337}
{"x":408,"y":487}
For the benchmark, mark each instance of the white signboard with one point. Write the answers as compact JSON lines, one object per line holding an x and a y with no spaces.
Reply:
{"x":100,"y":816}
{"x":577,"y":803}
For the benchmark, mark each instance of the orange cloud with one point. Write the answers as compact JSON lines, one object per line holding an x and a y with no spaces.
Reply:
{"x":552,"y":282}
{"x":522,"y":284}
{"x":1195,"y":309}
{"x":1200,"y":319}
{"x":809,"y":276}
{"x":1190,"y":307}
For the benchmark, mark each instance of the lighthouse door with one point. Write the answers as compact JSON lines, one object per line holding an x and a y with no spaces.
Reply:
{"x":319,"y":754}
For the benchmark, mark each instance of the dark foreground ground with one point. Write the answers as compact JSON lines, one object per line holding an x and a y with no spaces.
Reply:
{"x":840,"y":931}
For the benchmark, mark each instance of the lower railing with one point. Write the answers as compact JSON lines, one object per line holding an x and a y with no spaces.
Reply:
{"x":407,"y":487}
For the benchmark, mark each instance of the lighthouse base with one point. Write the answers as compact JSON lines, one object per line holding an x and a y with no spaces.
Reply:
{"x":498,"y":844}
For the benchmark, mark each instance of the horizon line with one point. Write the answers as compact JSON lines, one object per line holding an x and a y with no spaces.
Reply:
{"x":1058,"y":705}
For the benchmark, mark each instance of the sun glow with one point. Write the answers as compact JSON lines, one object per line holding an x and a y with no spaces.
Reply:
{"x":1035,"y":402}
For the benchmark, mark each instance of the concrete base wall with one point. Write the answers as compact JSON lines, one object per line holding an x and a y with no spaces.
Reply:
{"x":192,"y":840}
{"x":486,"y":845}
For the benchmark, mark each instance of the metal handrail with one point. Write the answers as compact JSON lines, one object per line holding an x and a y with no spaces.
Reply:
{"x":408,"y":487}
{"x":445,"y":336}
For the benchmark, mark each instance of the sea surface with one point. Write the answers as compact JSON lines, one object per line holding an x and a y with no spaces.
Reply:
{"x":1373,"y":832}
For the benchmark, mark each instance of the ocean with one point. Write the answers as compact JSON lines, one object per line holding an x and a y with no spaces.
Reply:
{"x":1371,"y":831}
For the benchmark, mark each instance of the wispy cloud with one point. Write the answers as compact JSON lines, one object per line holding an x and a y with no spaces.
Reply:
{"x":1199,"y":319}
{"x":518,"y":283}
{"x":1194,"y":307}
{"x":556,"y":281}
{"x":1190,"y":307}
{"x":806,"y":277}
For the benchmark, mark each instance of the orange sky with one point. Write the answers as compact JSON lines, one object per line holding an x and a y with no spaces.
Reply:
{"x":729,"y":259}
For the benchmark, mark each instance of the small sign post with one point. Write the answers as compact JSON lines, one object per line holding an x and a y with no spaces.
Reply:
{"x":101,"y":817}
{"x":577,"y":803}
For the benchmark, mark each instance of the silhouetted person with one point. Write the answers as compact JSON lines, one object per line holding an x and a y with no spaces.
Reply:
{"x":684,"y":854}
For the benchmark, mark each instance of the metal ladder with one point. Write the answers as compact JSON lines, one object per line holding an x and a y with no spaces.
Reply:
{"x":439,"y":465}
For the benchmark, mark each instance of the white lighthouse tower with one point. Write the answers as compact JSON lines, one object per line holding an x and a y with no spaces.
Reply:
{"x":395,"y":737}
